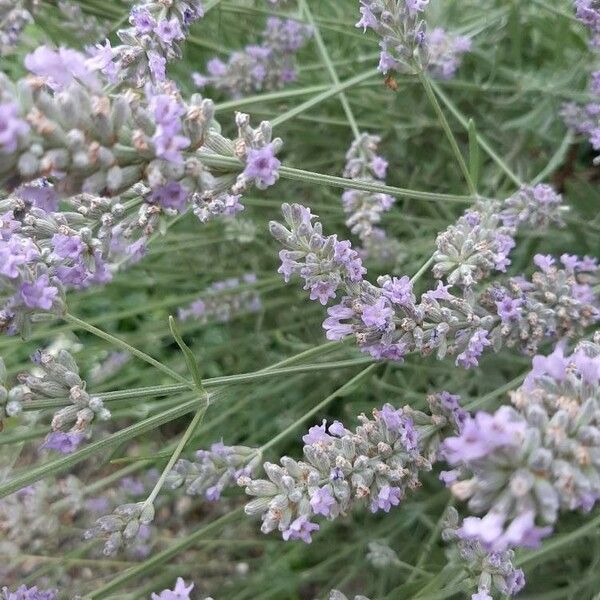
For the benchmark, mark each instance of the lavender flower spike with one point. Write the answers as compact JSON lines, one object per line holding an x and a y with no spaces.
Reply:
{"x":377,"y":464}
{"x":539,"y":454}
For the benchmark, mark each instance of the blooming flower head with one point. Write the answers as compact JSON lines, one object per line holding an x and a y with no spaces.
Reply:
{"x":39,"y":294}
{"x":181,"y":591}
{"x":262,"y":166}
{"x":63,"y":442}
{"x":300,"y":529}
{"x":387,"y":497}
{"x":25,"y":593}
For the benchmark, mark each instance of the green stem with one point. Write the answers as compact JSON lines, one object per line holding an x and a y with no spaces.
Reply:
{"x":166,"y":390}
{"x":217,"y":160}
{"x":125,"y":346}
{"x":446,"y":127}
{"x":329,"y":93}
{"x":482,"y":142}
{"x":189,"y":432}
{"x":329,"y":65}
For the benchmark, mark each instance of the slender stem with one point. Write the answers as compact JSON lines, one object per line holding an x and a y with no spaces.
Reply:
{"x":329,"y":65}
{"x":166,"y":390}
{"x":332,"y":91}
{"x":482,"y":142}
{"x":125,"y":346}
{"x":218,"y":160}
{"x":446,"y":127}
{"x":422,"y":270}
{"x":189,"y":432}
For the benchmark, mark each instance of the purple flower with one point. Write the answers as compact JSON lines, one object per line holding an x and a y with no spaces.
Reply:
{"x":508,"y":308}
{"x":543,"y":261}
{"x":41,"y":194}
{"x":167,"y":31}
{"x":416,"y":6}
{"x":469,"y":357}
{"x":482,"y":435}
{"x":392,"y":417}
{"x":63,"y":442}
{"x":12,"y":128}
{"x":170,"y":195}
{"x":316,"y":434}
{"x":323,"y":291}
{"x":25,"y":593}
{"x":587,"y":366}
{"x":216,"y":67}
{"x":555,"y":365}
{"x":386,"y":498}
{"x":300,"y":529}
{"x":377,"y":315}
{"x":387,"y":62}
{"x":348,"y":258}
{"x":179,"y":592}
{"x":262,"y":166}
{"x":142,"y":20}
{"x":67,"y":246}
{"x":399,"y":291}
{"x":8,"y":225}
{"x":60,"y":67}
{"x":157,"y":65}
{"x":335,"y":330}
{"x":14,"y":252}
{"x":169,"y":145}
{"x":367,"y":18}
{"x":39,"y":294}
{"x":337,"y":429}
{"x":487,"y":530}
{"x":449,"y":477}
{"x":379,"y":166}
{"x":322,"y":501}
{"x":523,"y":533}
{"x":440,"y":292}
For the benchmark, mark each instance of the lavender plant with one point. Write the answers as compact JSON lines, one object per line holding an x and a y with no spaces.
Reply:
{"x":173,"y":370}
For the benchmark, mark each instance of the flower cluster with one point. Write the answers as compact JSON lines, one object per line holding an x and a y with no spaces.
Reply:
{"x":123,"y":527}
{"x":364,"y":209}
{"x":388,"y":323}
{"x":14,"y":16}
{"x":104,"y":144}
{"x":481,"y":240}
{"x":444,"y":52}
{"x":323,"y":262}
{"x":401,"y":27}
{"x":60,"y":379}
{"x":181,"y":591}
{"x":213,"y":470}
{"x":77,"y":23}
{"x":222,"y":302}
{"x":521,"y":465}
{"x":154,"y":37}
{"x":377,"y":463}
{"x":585,"y":118}
{"x":493,"y":571}
{"x":269,"y":65}
{"x":25,"y":593}
{"x":588,"y":12}
{"x":31,"y":518}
